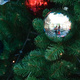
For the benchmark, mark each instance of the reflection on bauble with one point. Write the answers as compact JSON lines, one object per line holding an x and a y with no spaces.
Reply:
{"x":56,"y":25}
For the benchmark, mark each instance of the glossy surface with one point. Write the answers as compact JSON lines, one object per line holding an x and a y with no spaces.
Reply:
{"x":56,"y":25}
{"x":2,"y":2}
{"x":36,"y":5}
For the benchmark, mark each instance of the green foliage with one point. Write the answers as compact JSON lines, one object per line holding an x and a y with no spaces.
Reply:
{"x":17,"y":77}
{"x":36,"y":65}
{"x":41,"y":41}
{"x":3,"y":29}
{"x":74,"y":49}
{"x":36,"y":55}
{"x":32,"y":63}
{"x":56,"y":39}
{"x":64,"y":2}
{"x":46,"y":62}
{"x":61,"y":69}
{"x":4,"y":55}
{"x":54,"y":52}
{"x":31,"y":78}
{"x":3,"y":67}
{"x":15,"y":21}
{"x":53,"y":61}
{"x":77,"y":8}
{"x":6,"y":46}
{"x":38,"y":25}
{"x":45,"y":12}
{"x":77,"y":11}
{"x":21,"y":70}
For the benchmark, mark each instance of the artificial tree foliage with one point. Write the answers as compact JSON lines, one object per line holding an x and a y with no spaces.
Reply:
{"x":53,"y":60}
{"x":15,"y":27}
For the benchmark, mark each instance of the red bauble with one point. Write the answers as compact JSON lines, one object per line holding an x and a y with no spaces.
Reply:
{"x":36,"y":5}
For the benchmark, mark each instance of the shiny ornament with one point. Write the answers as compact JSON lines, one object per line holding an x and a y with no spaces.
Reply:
{"x":57,"y":26}
{"x":2,"y":2}
{"x":36,"y":5}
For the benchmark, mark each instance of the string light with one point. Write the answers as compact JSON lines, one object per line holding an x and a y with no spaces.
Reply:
{"x":5,"y":65}
{"x":78,"y":50}
{"x":1,"y":19}
{"x":61,"y":54}
{"x":17,"y":14}
{"x":3,"y":72}
{"x":74,"y":68}
{"x":13,"y":61}
{"x":68,"y":66}
{"x":19,"y":45}
{"x":22,"y":3}
{"x":21,"y":51}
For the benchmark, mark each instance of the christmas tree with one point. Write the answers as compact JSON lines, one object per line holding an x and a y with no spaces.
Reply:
{"x":15,"y":35}
{"x":57,"y":59}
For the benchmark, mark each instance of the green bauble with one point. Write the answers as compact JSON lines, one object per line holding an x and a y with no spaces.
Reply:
{"x":57,"y":26}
